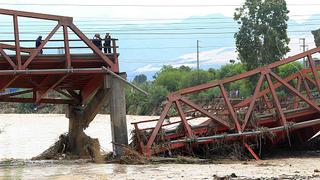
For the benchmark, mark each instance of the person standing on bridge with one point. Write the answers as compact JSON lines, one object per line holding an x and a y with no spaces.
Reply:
{"x":38,"y":43}
{"x":97,"y":41}
{"x":107,"y":43}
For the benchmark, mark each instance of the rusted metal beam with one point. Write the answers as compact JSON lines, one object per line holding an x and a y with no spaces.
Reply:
{"x":90,"y":88}
{"x":7,"y":58}
{"x":66,"y":46}
{"x":208,"y":114}
{"x":230,"y":108}
{"x":7,"y":83}
{"x":251,"y":151}
{"x":17,"y":41}
{"x":37,"y":50}
{"x":306,"y":85}
{"x":298,"y":87}
{"x":12,"y":47}
{"x":251,"y":133}
{"x":93,"y":47}
{"x":314,"y":72}
{"x":34,"y":15}
{"x":297,"y":93}
{"x":255,"y":95}
{"x":275,"y":99}
{"x":183,"y":119}
{"x":48,"y":84}
{"x":157,"y":128}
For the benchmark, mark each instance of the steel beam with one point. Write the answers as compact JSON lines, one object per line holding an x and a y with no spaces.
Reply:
{"x":276,"y":100}
{"x":255,"y":95}
{"x":33,"y":15}
{"x":37,"y":50}
{"x":8,"y":59}
{"x":66,"y":46}
{"x":230,"y":108}
{"x":17,"y":41}
{"x":183,"y":119}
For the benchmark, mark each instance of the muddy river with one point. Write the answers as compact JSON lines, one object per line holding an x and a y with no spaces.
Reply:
{"x":25,"y":136}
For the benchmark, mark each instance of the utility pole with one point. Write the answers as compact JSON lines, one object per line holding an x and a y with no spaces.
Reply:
{"x":304,"y":50}
{"x":198,"y":63}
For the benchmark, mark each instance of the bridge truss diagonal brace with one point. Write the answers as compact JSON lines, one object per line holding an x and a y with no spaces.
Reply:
{"x":184,"y":119}
{"x":276,"y":99}
{"x":8,"y":59}
{"x":230,"y":107}
{"x":93,"y":47}
{"x":7,"y":83}
{"x":37,"y":51}
{"x":158,"y":126}
{"x":203,"y":111}
{"x":314,"y":72}
{"x":49,"y":83}
{"x":255,"y":96}
{"x":292,"y":89}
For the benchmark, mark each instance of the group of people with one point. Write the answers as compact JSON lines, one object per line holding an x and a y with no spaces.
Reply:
{"x":97,"y":40}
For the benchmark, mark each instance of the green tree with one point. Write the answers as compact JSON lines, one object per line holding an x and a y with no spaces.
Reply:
{"x":262,"y":37}
{"x":140,"y":79}
{"x":316,"y":35}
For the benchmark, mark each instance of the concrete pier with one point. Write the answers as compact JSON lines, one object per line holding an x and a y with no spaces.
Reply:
{"x":112,"y":93}
{"x":118,"y":114}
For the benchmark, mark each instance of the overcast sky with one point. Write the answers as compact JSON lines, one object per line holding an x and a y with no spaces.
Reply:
{"x":225,"y":8}
{"x":217,"y":50}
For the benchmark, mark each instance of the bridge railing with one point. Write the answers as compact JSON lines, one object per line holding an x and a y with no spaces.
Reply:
{"x":4,"y":44}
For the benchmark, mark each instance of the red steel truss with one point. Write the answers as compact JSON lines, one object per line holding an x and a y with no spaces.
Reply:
{"x":74,"y":76}
{"x":238,"y":119}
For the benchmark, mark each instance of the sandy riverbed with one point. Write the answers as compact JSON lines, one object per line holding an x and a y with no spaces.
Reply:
{"x":25,"y":136}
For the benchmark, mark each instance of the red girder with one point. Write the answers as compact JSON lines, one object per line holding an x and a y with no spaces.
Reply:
{"x":223,"y":123}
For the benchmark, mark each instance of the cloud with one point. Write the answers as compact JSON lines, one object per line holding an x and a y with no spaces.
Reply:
{"x":216,"y":57}
{"x":148,"y":68}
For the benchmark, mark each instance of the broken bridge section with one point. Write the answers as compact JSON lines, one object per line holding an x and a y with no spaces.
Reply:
{"x":282,"y":107}
{"x":59,"y":71}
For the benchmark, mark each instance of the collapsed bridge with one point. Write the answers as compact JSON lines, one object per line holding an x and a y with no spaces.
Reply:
{"x":282,"y":106}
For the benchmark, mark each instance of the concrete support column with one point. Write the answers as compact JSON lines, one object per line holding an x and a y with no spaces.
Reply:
{"x":118,"y":114}
{"x":76,"y":133}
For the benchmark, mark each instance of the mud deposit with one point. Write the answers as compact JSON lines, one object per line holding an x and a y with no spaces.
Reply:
{"x":25,"y":136}
{"x":289,"y":168}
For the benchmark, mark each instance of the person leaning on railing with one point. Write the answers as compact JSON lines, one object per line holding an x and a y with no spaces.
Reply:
{"x":38,"y":43}
{"x":107,"y":43}
{"x":97,"y":41}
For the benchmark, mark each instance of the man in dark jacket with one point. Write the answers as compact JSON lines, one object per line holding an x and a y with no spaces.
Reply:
{"x":107,"y":43}
{"x":38,"y":43}
{"x":97,"y":41}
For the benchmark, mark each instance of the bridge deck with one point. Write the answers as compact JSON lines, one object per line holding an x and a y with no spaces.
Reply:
{"x":48,"y":72}
{"x":58,"y":61}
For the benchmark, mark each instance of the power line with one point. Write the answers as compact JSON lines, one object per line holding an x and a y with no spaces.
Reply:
{"x":173,"y":28}
{"x":148,"y":33}
{"x":139,"y":5}
{"x":22,"y":24}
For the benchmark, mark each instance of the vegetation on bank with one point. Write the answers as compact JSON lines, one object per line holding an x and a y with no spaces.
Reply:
{"x":170,"y":79}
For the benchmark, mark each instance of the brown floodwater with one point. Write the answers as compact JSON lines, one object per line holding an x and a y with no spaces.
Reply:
{"x":25,"y":136}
